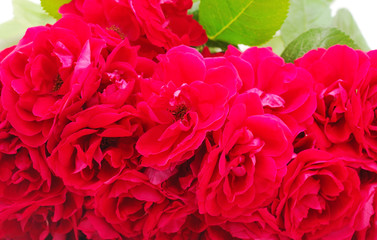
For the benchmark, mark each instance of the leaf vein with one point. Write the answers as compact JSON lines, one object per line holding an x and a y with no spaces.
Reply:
{"x":231,"y":21}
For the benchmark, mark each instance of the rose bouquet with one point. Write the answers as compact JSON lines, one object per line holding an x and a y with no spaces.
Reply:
{"x":113,"y":126}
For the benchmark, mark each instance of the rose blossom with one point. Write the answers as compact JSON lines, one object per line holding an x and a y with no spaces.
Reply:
{"x":96,"y":146}
{"x":187,"y":97}
{"x":28,"y":194}
{"x":363,"y":105}
{"x":46,"y":213}
{"x":49,"y":69}
{"x":344,"y":110}
{"x":365,"y":222}
{"x":154,"y":25}
{"x":245,"y":164}
{"x":261,"y":225}
{"x":319,"y":197}
{"x":285,"y":90}
{"x":130,"y":204}
{"x":8,"y":142}
{"x":22,"y":174}
{"x":96,"y":228}
{"x":118,"y":76}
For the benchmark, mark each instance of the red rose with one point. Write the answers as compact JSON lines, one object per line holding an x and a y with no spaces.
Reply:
{"x":96,"y":146}
{"x":285,"y":90}
{"x":111,"y":14}
{"x":8,"y":142}
{"x":243,"y":169}
{"x":319,"y":197}
{"x":365,"y":222}
{"x":340,"y":118}
{"x":154,"y":25}
{"x":362,"y":110}
{"x":130,"y":204}
{"x":260,"y":225}
{"x":186,"y":98}
{"x":96,"y":228}
{"x":189,"y":30}
{"x":44,"y":74}
{"x":50,"y":214}
{"x":22,"y":174}
{"x":119,"y":73}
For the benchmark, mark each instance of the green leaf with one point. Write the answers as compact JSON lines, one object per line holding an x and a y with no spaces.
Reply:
{"x":316,"y":38}
{"x":345,"y":22}
{"x":249,"y":22}
{"x":304,"y":15}
{"x":52,"y":7}
{"x":26,"y":14}
{"x":223,"y":46}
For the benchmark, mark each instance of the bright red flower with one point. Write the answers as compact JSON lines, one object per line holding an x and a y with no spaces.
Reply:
{"x":243,"y":169}
{"x":186,"y":98}
{"x":362,"y":110}
{"x":22,"y":174}
{"x":319,"y":197}
{"x":285,"y":90}
{"x":46,"y":72}
{"x":45,"y":214}
{"x":343,"y":111}
{"x":365,"y":222}
{"x":154,"y":25}
{"x":96,"y":146}
{"x":130,"y":204}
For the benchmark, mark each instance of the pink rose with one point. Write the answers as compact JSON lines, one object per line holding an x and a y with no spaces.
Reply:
{"x":246,"y":162}
{"x":319,"y":197}
{"x":186,"y":98}
{"x":46,"y":72}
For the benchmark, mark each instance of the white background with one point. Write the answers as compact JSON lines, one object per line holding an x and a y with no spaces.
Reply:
{"x":364,"y":12}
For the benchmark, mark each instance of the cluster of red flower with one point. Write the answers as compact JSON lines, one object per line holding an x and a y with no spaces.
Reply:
{"x":113,"y":127}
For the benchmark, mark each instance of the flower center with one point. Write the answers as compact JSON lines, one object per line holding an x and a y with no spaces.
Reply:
{"x":117,"y":30}
{"x":179,"y":112}
{"x":107,"y":142}
{"x":58,"y":83}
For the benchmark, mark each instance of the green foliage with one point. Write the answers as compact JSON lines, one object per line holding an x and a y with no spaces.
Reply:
{"x":195,"y":10}
{"x":250,"y":22}
{"x":316,"y":38}
{"x":52,"y":7}
{"x":26,"y":14}
{"x":304,"y":15}
{"x":345,"y":22}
